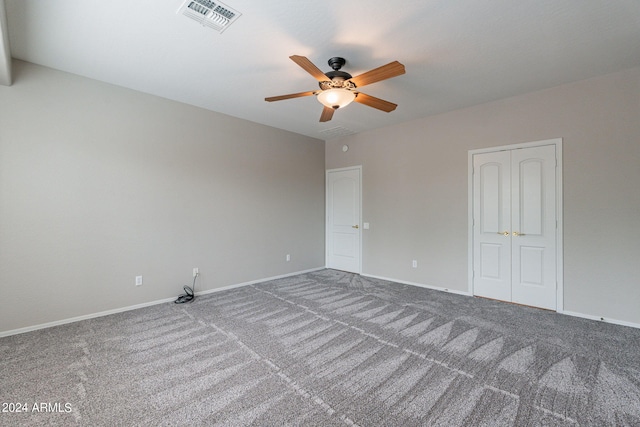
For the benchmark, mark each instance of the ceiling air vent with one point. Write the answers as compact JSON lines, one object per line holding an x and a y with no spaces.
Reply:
{"x":336,"y":132}
{"x":208,"y":13}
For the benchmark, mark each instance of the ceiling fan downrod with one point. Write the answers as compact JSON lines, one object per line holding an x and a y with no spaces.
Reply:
{"x":336,"y":63}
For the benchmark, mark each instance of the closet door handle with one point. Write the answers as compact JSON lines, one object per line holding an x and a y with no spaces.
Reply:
{"x":504,"y":233}
{"x":516,"y":234}
{"x":355,"y":226}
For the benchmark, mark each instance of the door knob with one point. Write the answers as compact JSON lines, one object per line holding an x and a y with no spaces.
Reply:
{"x":355,"y":226}
{"x":504,"y":233}
{"x":515,"y":233}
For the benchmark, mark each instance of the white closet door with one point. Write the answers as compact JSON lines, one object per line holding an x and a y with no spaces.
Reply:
{"x":533,"y":235}
{"x":514,"y":226}
{"x":492,"y":225}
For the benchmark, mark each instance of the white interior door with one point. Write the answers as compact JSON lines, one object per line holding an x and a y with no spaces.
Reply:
{"x":533,"y":235}
{"x":514,"y":225}
{"x":343,"y":219}
{"x":492,"y":225}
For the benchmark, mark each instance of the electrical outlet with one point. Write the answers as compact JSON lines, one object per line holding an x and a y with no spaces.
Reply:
{"x":138,"y":280}
{"x":195,"y":271}
{"x":288,"y":257}
{"x":414,"y":263}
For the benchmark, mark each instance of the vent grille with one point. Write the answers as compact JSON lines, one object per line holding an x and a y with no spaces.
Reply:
{"x":224,"y":12}
{"x":212,"y":14}
{"x":336,"y":132}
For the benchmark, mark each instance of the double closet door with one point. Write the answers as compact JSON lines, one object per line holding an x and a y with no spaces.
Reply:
{"x":514,"y":225}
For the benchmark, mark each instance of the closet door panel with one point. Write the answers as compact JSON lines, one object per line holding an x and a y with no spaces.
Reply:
{"x":533,"y":213}
{"x":492,"y":222}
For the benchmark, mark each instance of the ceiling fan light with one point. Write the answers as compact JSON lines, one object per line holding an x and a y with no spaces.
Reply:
{"x":336,"y":98}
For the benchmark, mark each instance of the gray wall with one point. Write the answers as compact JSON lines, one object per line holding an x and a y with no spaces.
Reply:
{"x":415,"y":189}
{"x":99,"y":184}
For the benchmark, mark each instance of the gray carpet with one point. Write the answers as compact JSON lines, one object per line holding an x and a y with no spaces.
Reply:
{"x":326,"y":348}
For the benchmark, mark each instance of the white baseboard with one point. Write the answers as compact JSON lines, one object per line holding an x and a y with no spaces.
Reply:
{"x":421,"y":285}
{"x":84,"y":317}
{"x":568,"y":313}
{"x":143,"y":305}
{"x":601,"y":319}
{"x":253,"y":282}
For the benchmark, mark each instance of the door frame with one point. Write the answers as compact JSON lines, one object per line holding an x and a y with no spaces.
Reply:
{"x":326,"y":213}
{"x":557,"y":142}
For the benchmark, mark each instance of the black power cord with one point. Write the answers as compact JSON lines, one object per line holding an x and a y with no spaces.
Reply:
{"x":189,"y":292}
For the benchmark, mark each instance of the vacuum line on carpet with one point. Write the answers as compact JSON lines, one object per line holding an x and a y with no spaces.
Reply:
{"x":411,"y":352}
{"x":287,"y":379}
{"x":378,"y":339}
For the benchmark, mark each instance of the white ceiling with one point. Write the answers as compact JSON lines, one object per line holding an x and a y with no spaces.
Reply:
{"x":457,"y":53}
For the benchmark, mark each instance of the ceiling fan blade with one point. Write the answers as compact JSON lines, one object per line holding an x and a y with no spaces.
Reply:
{"x":292,"y":95}
{"x":309,"y":67}
{"x":392,"y":69}
{"x":374,"y":102}
{"x":327,"y":114}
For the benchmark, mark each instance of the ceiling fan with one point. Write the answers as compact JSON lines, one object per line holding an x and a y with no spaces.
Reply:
{"x":338,"y":88}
